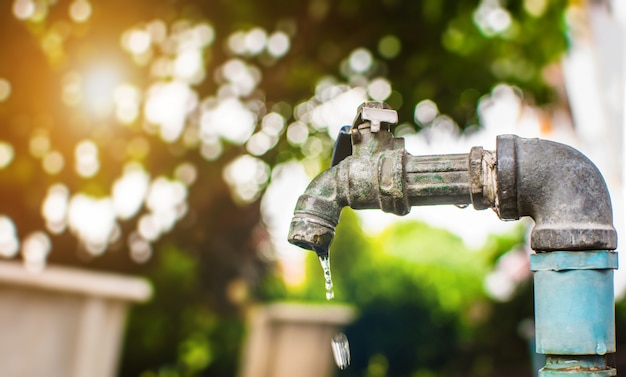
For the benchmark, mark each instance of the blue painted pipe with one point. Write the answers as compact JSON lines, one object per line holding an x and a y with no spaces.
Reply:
{"x":574,"y":311}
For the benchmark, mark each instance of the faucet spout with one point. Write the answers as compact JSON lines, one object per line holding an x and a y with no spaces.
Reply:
{"x":317,"y":213}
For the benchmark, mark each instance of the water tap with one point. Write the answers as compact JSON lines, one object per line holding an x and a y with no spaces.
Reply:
{"x":523,"y":177}
{"x":552,"y":183}
{"x":372,"y":170}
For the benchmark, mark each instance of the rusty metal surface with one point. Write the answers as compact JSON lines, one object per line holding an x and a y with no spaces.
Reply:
{"x":554,"y":184}
{"x":580,"y":366}
{"x":379,"y":174}
{"x":560,"y":189}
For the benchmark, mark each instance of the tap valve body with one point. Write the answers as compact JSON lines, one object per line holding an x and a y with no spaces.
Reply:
{"x":372,"y":170}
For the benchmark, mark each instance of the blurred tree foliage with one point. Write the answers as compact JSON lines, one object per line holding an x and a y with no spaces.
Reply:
{"x":178,"y":334}
{"x":451,"y":52}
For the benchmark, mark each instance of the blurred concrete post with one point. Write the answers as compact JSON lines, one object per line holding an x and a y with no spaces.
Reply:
{"x":63,"y":322}
{"x":288,"y":339}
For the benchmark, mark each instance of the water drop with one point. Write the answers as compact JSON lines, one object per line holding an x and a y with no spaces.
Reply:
{"x":328,"y":284}
{"x":341,"y":350}
{"x":330,"y":295}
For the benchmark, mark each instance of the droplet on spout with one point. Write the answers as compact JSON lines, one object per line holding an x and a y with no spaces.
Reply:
{"x":341,"y":350}
{"x":328,"y":281}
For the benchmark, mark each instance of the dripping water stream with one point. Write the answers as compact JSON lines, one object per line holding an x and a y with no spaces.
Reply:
{"x":328,"y":280}
{"x":339,"y":342}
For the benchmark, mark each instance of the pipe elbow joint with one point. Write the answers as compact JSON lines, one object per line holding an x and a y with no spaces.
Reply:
{"x":559,"y":188}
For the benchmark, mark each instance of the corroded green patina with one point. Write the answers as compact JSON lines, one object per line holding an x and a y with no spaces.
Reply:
{"x":379,"y":174}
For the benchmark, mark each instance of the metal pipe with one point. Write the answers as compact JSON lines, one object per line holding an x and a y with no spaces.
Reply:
{"x":438,"y":179}
{"x":554,"y":184}
{"x":566,"y":196}
{"x":560,"y":189}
